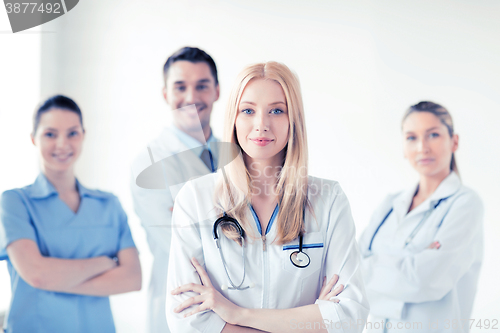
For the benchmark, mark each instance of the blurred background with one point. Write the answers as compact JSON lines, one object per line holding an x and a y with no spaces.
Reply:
{"x":360,"y":63}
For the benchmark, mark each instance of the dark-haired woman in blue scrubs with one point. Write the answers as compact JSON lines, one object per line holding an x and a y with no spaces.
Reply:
{"x":67,"y":247}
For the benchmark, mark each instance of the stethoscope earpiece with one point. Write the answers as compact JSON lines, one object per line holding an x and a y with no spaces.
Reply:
{"x":226,"y":287}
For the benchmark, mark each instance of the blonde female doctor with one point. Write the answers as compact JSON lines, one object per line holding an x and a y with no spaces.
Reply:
{"x":285,"y":258}
{"x":423,"y":248}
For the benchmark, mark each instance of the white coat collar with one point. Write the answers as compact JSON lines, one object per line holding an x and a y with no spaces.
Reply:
{"x":449,"y":186}
{"x":270,"y":224}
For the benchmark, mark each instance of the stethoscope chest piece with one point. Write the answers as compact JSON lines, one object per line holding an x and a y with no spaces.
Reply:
{"x":300,"y":259}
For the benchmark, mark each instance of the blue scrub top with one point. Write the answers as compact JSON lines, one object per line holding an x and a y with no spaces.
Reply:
{"x":99,"y":228}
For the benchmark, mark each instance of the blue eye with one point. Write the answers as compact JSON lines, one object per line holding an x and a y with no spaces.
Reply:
{"x":277,"y":111}
{"x":49,"y":135}
{"x":201,"y":87}
{"x":434,"y":135}
{"x":180,"y":88}
{"x":410,"y":138}
{"x":247,"y":111}
{"x":73,"y":133}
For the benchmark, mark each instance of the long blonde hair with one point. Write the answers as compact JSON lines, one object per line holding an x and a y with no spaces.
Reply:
{"x":233,"y":192}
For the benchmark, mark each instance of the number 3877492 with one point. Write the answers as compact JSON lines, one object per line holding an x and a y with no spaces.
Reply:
{"x":33,"y":8}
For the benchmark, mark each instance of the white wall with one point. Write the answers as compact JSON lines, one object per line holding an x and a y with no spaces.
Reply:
{"x":19,"y":93}
{"x":361,"y":64}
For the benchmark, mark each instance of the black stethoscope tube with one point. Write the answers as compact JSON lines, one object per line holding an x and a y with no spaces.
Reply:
{"x":299,"y":258}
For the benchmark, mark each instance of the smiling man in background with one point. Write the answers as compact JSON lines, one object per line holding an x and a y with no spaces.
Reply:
{"x":190,"y":80}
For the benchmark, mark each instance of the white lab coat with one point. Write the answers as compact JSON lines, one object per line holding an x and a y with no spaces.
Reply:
{"x":278,"y":284}
{"x":419,"y":285}
{"x":154,"y":208}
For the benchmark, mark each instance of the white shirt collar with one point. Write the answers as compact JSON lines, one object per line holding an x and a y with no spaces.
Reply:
{"x":188,"y":140}
{"x":449,"y":186}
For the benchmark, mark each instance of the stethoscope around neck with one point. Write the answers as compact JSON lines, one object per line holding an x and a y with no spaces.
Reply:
{"x":225,"y":219}
{"x":415,"y":230}
{"x":298,"y":258}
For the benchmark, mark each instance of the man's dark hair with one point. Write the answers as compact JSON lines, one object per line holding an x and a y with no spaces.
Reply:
{"x":191,"y":54}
